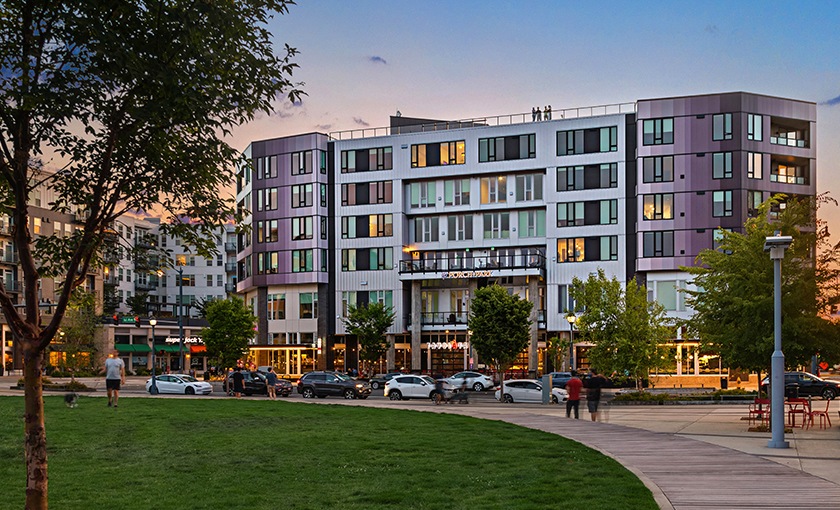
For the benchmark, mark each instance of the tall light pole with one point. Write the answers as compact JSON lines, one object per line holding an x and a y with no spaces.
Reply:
{"x":777,"y":245}
{"x":571,"y":318}
{"x":153,"y":389}
{"x":181,"y":318}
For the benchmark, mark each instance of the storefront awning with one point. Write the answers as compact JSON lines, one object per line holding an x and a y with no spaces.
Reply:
{"x":198,"y":349}
{"x":171,"y":348}
{"x":132,"y":347}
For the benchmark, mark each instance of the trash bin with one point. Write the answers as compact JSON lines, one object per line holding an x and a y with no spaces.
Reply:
{"x":792,"y":391}
{"x":724,"y":383}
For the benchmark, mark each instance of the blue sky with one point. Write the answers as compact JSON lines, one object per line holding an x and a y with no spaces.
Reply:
{"x":363,"y":60}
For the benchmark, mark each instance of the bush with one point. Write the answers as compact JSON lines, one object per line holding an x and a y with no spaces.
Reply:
{"x":141,"y":371}
{"x":76,"y":386}
{"x":642,"y":396}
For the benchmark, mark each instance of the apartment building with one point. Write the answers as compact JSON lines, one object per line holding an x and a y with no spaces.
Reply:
{"x":420,"y":214}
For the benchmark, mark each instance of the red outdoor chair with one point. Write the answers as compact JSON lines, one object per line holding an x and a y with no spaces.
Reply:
{"x":759,"y":410}
{"x":797,"y":406}
{"x":823,"y":415}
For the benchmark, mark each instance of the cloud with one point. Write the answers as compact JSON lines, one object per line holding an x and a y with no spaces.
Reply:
{"x":833,"y":102}
{"x":360,"y":121}
{"x":377,"y":60}
{"x":712,"y":29}
{"x":324,"y":127}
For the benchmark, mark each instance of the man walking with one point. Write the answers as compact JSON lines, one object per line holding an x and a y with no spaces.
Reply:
{"x":271,"y":383}
{"x":114,"y":377}
{"x":573,"y":387}
{"x":593,"y":392}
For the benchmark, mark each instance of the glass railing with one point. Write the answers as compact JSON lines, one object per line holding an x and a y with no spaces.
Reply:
{"x":789,"y":142}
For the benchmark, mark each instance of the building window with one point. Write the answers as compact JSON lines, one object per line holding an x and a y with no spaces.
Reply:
{"x":379,"y":192}
{"x":381,"y":259}
{"x":754,"y":165}
{"x":571,"y":178}
{"x":268,"y":262}
{"x":276,"y":307}
{"x":658,"y":131}
{"x":595,"y":212}
{"x":788,"y":174}
{"x":658,"y":244}
{"x":587,"y":141}
{"x":422,"y":194}
{"x":302,"y":261}
{"x":456,"y":192}
{"x":754,"y":127}
{"x":437,"y":154}
{"x":426,"y":230}
{"x":265,"y":168}
{"x":460,"y":227}
{"x":658,"y":169}
{"x":366,"y":160}
{"x":386,"y":297}
{"x":754,"y":199}
{"x":721,"y":204}
{"x":308,"y":305}
{"x":367,"y":259}
{"x":373,"y":225}
{"x":722,"y":126}
{"x":322,"y":161}
{"x":301,"y":162}
{"x":302,"y":228}
{"x":497,"y":225}
{"x":532,"y":223}
{"x":570,"y":214}
{"x":585,"y":249}
{"x":493,"y":189}
{"x":323,"y":227}
{"x":266,"y":199}
{"x":302,"y":195}
{"x":722,"y":165}
{"x":529,"y":187}
{"x":505,"y":148}
{"x":658,"y":207}
{"x":381,"y":225}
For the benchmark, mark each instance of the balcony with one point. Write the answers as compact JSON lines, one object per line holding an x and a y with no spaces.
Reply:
{"x":144,"y":286}
{"x":526,"y":262}
{"x":230,"y":247}
{"x":457,"y":321}
{"x":230,"y":267}
{"x":9,"y":258}
{"x":230,"y":287}
{"x":789,"y":132}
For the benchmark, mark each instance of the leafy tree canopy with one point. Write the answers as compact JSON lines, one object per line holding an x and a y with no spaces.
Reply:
{"x":733,"y":302}
{"x":231,"y":327}
{"x":626,"y":329}
{"x":369,"y":324}
{"x":500,"y":324}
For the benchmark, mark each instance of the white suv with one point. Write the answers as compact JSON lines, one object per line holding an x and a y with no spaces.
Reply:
{"x":474,"y":380}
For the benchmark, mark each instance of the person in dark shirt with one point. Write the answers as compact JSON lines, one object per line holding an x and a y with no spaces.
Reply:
{"x":238,"y":382}
{"x":573,"y":386}
{"x":593,"y":392}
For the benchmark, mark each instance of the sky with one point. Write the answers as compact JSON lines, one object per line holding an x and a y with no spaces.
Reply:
{"x":363,"y":60}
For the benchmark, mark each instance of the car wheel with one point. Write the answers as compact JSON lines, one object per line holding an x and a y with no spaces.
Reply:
{"x":374,"y":385}
{"x":829,"y":393}
{"x":507,"y":399}
{"x":478,"y":387}
{"x":349,"y":394}
{"x":554,"y":399}
{"x":395,"y":395}
{"x":308,"y":393}
{"x":189,"y":390}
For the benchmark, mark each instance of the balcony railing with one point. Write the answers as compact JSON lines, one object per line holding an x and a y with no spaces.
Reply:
{"x":472,"y":264}
{"x":9,"y":258}
{"x":230,"y":267}
{"x":789,"y":142}
{"x":455,"y":319}
{"x":230,"y":247}
{"x":144,"y":286}
{"x":13,"y":286}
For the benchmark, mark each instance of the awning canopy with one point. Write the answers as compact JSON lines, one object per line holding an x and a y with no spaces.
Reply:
{"x":196,"y":349}
{"x":132,"y":347}
{"x":171,"y":348}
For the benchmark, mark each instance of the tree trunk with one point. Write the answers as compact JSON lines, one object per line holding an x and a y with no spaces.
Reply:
{"x":34,"y":433}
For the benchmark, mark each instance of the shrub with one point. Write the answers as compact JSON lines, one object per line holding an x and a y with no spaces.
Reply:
{"x":642,"y":396}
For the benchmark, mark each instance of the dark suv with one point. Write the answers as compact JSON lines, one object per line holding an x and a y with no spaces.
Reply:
{"x":322,"y":384}
{"x":803,"y":384}
{"x":254,"y":384}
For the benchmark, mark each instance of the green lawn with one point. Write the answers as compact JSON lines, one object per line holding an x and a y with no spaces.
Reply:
{"x":229,"y":454}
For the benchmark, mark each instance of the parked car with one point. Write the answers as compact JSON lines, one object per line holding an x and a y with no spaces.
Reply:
{"x":324,"y":383}
{"x":379,"y":380}
{"x":805,"y":384}
{"x":180,"y":383}
{"x":475,"y":381}
{"x":254,"y":384}
{"x":528,"y":390}
{"x":559,"y":379}
{"x":404,"y":387}
{"x":283,"y":387}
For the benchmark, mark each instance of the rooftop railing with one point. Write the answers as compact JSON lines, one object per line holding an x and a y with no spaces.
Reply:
{"x":498,"y":120}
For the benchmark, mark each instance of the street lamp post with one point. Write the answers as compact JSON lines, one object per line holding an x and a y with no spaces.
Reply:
{"x":571,"y":318}
{"x":153,"y":389}
{"x":777,"y":245}
{"x":181,"y":318}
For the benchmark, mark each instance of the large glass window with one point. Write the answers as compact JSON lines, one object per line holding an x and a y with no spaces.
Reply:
{"x":658,"y":169}
{"x":754,"y":165}
{"x":722,"y":126}
{"x":571,"y":178}
{"x":529,"y":187}
{"x":594,"y":212}
{"x":493,"y":189}
{"x":302,"y":195}
{"x":456,"y":192}
{"x":301,"y":162}
{"x":309,"y":305}
{"x":460,"y":227}
{"x":658,"y":207}
{"x":426,"y":230}
{"x":754,"y":199}
{"x":532,"y":223}
{"x":722,"y":165}
{"x":754,"y":127}
{"x":363,"y":193}
{"x":367,"y":160}
{"x":507,"y":148}
{"x":367,"y":259}
{"x":658,"y":131}
{"x":276,"y":309}
{"x":437,"y":154}
{"x":587,"y":141}
{"x":266,"y":199}
{"x":422,"y":194}
{"x":586,"y":249}
{"x":721,"y":203}
{"x":497,"y":225}
{"x":302,"y":228}
{"x":302,"y":261}
{"x":658,"y":244}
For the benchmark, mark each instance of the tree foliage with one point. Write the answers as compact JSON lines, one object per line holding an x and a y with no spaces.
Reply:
{"x":77,"y":331}
{"x":733,"y":302}
{"x":369,"y":324}
{"x":627,"y":330}
{"x":231,"y":327}
{"x":500,"y":324}
{"x":119,"y":106}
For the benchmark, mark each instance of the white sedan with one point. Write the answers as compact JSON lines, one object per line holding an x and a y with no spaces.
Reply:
{"x":528,"y":390}
{"x":409,"y":386}
{"x":474,"y":381}
{"x":180,"y":383}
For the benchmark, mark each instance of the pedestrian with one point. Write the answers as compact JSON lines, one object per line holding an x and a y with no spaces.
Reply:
{"x":271,"y":383}
{"x":573,"y":387}
{"x":238,"y":382}
{"x":114,"y":377}
{"x":548,"y":112}
{"x":539,"y":113}
{"x":593,"y":392}
{"x":533,"y":114}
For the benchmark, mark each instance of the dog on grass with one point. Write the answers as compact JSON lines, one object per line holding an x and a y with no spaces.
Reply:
{"x":70,"y":399}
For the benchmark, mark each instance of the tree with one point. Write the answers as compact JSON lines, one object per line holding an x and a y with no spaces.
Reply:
{"x":369,"y":324}
{"x":231,"y":327}
{"x":127,"y":105}
{"x":733,"y":304}
{"x":78,"y":329}
{"x":501,"y":326}
{"x":626,"y":329}
{"x":138,"y":304}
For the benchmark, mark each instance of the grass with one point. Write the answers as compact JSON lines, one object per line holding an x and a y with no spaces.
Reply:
{"x":194,"y":453}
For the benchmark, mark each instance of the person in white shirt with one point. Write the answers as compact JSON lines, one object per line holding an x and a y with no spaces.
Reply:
{"x":114,"y":376}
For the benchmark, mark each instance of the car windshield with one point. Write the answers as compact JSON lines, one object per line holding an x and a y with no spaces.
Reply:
{"x":189,"y":378}
{"x":428,"y":379}
{"x":343,"y":377}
